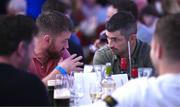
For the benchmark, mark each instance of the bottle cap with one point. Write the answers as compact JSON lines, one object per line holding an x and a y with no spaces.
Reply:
{"x":123,"y":63}
{"x":134,"y":72}
{"x":108,"y":68}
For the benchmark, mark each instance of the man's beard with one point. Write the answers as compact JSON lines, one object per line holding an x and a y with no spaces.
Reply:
{"x":116,"y":52}
{"x":53,"y":54}
{"x":119,"y":54}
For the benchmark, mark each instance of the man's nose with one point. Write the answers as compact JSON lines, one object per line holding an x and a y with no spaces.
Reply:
{"x":111,"y":44}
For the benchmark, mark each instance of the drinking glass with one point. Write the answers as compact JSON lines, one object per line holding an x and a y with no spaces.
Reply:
{"x":144,"y":71}
{"x":94,"y":92}
{"x":78,"y":87}
{"x":99,"y":69}
{"x":61,"y":91}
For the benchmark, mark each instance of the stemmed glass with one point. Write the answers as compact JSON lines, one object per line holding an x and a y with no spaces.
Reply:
{"x":99,"y":70}
{"x":94,"y":92}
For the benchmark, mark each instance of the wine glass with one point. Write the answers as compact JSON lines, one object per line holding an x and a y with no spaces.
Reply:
{"x":95,"y":92}
{"x":92,"y":92}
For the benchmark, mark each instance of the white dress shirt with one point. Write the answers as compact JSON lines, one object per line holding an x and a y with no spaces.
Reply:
{"x":163,"y":91}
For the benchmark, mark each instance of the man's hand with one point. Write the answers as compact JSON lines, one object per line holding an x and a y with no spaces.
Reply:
{"x":71,"y":63}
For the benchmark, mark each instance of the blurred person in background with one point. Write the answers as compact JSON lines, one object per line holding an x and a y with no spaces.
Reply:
{"x":149,"y":17}
{"x":15,"y":7}
{"x":77,"y":14}
{"x":144,"y":33}
{"x":157,"y":4}
{"x":93,"y":21}
{"x":121,"y":28}
{"x":141,"y":4}
{"x":170,"y":7}
{"x":18,"y":87}
{"x":102,"y":41}
{"x":95,"y":14}
{"x":51,"y":46}
{"x":161,"y":91}
{"x":99,"y":43}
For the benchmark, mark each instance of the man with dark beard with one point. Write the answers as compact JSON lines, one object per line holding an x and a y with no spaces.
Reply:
{"x":51,"y":47}
{"x":121,"y":29}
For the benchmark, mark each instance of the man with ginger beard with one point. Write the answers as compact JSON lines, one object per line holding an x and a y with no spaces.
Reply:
{"x":51,"y":47}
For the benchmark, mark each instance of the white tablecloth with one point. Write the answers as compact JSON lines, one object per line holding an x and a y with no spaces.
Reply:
{"x":88,"y":78}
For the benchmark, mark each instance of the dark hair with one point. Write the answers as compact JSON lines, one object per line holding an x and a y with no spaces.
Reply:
{"x":55,"y":5}
{"x":13,"y":30}
{"x":3,"y":6}
{"x":53,"y":22}
{"x":168,"y":34}
{"x":125,"y":5}
{"x":170,"y":6}
{"x":123,"y":21}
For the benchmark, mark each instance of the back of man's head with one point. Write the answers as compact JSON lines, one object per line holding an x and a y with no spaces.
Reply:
{"x":125,"y":5}
{"x":168,"y":34}
{"x":3,"y":6}
{"x":53,"y":22}
{"x":13,"y":30}
{"x":124,"y":22}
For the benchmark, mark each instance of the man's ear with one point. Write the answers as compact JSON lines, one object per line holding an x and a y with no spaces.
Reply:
{"x":21,"y":49}
{"x":158,"y":50}
{"x":47,"y":39}
{"x":132,"y":39}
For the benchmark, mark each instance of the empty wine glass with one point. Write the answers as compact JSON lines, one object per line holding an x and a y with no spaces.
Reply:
{"x":95,"y":92}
